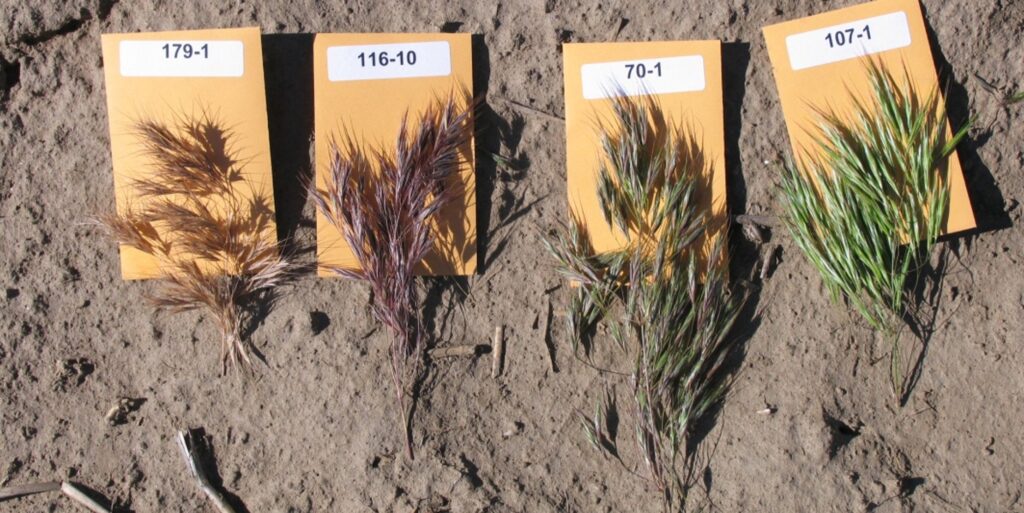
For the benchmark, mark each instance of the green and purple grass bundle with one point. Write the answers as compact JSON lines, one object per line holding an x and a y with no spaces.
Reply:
{"x":665,"y":296}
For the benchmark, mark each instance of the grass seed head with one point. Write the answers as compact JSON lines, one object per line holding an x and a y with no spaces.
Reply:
{"x":387,"y":205}
{"x":212,"y":237}
{"x":673,"y":306}
{"x":867,"y":204}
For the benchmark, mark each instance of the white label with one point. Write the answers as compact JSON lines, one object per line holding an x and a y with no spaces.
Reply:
{"x":381,"y":62}
{"x":184,"y":58}
{"x":848,"y":40}
{"x":643,"y":76}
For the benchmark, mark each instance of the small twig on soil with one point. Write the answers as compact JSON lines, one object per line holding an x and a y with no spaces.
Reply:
{"x":10,"y":492}
{"x":548,"y":343}
{"x":530,"y":108}
{"x":76,"y":494}
{"x":119,"y":412}
{"x":756,"y":220}
{"x":499,"y":351}
{"x":766,"y":261}
{"x":452,"y":351}
{"x":190,"y":450}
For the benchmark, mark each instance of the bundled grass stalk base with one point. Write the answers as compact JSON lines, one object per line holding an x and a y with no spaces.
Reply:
{"x":213,"y":238}
{"x":665,"y":295}
{"x":387,"y":203}
{"x":868,"y":203}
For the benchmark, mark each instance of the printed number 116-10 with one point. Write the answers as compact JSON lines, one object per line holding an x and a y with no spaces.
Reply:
{"x":374,"y":59}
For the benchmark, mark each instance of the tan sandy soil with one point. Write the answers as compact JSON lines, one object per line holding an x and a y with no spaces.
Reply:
{"x":313,"y":430}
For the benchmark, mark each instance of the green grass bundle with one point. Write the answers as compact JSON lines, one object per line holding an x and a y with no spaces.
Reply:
{"x":665,"y":297}
{"x":869,"y":207}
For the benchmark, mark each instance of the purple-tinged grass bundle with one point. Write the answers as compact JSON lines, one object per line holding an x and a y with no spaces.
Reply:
{"x":387,"y":203}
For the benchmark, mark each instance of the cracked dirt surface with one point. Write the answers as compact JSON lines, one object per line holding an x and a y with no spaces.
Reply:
{"x":311,"y":430}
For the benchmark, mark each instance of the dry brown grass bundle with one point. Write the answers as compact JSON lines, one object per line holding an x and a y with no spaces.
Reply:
{"x":386,"y":203}
{"x":212,"y":235}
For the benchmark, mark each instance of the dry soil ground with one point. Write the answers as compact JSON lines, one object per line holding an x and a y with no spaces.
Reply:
{"x":312,"y":431}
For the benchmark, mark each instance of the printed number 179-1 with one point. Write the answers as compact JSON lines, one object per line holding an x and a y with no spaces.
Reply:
{"x":185,"y":51}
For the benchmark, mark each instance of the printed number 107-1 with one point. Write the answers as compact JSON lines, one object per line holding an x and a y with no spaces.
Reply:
{"x":845,"y":37}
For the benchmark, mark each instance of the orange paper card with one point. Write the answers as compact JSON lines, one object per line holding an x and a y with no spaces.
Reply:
{"x":365,"y":84}
{"x":166,"y":76}
{"x":819,"y":61}
{"x":686,"y":79}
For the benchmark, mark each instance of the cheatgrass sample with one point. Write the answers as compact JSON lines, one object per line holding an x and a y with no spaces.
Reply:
{"x":867,"y":204}
{"x":212,"y":236}
{"x":665,"y":295}
{"x":387,"y":203}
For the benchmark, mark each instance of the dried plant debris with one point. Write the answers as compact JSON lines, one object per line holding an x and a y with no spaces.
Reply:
{"x":121,"y":410}
{"x":386,"y":203}
{"x":754,"y":233}
{"x":74,"y":492}
{"x":668,"y":288}
{"x":869,"y":210}
{"x":195,"y":449}
{"x":15,"y":491}
{"x":77,"y":494}
{"x":211,"y":232}
{"x":455,"y":351}
{"x":498,"y":356}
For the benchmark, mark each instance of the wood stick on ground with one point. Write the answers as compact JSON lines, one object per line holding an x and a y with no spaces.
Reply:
{"x":548,"y":342}
{"x":11,"y":492}
{"x":499,"y":351}
{"x":191,"y":451}
{"x":755,"y":219}
{"x":452,"y":351}
{"x":766,"y":261}
{"x":76,"y":494}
